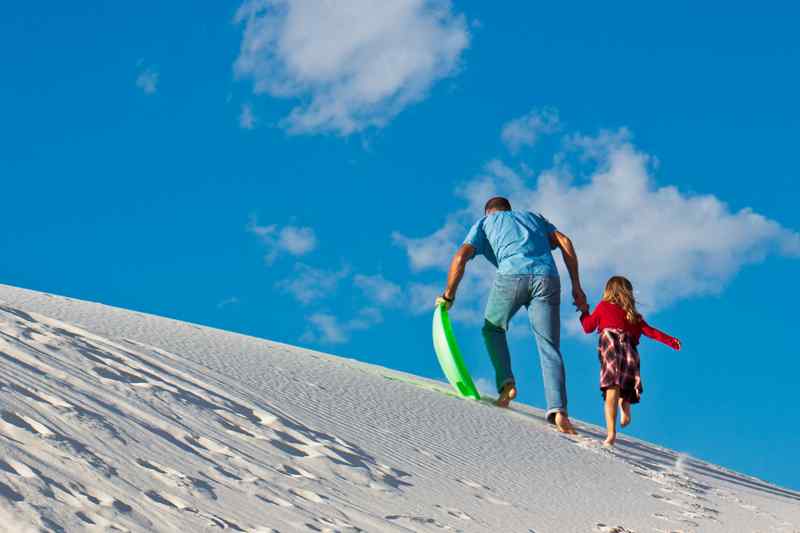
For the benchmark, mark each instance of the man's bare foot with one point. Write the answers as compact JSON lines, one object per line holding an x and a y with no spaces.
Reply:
{"x":563,"y":425}
{"x":625,"y":415}
{"x":610,"y":440}
{"x":508,"y":393}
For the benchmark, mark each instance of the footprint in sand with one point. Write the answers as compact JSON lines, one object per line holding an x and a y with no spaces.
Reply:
{"x":473,"y":484}
{"x":428,"y":454}
{"x":221,"y":523}
{"x":455,"y":513}
{"x":275,"y":500}
{"x":207,"y":444}
{"x":416,"y":520}
{"x":308,"y":495}
{"x":286,"y":448}
{"x":40,"y":397}
{"x":179,"y":480}
{"x":334,"y":524}
{"x":293,"y":471}
{"x":168,"y":500}
{"x":86,"y":417}
{"x":233,"y":427}
{"x":602,"y":528}
{"x":93,"y":519}
{"x":685,"y":493}
{"x":21,"y":427}
{"x":493,"y":500}
{"x":10,"y":494}
{"x":668,"y":500}
{"x":108,"y":501}
{"x":588,"y":443}
{"x":16,"y":468}
{"x":12,"y":423}
{"x":480,"y":487}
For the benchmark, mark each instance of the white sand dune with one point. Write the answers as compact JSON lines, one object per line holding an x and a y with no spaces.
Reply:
{"x":112,"y":420}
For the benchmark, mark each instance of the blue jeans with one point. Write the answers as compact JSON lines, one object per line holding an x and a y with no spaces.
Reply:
{"x":542,"y":296}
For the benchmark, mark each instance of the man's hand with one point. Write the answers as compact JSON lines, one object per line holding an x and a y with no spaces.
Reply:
{"x":448,"y":302}
{"x":579,"y":299}
{"x":675,"y":344}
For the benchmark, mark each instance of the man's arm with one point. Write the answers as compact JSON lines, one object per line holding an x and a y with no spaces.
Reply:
{"x":559,"y":240}
{"x":457,"y":266}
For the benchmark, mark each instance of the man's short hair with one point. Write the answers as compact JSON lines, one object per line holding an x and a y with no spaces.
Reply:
{"x":499,"y":203}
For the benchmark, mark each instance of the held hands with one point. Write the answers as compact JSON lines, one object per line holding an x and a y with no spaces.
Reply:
{"x":579,"y":300}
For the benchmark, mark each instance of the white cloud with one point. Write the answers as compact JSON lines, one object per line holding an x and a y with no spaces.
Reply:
{"x":294,"y":240}
{"x":308,"y":284}
{"x":247,"y":120}
{"x":147,"y":80}
{"x":672,"y":244}
{"x":422,"y":297}
{"x":526,"y":130}
{"x":233,"y":300}
{"x":353,"y":63}
{"x":434,"y":250}
{"x":379,"y":289}
{"x":297,"y":240}
{"x":324,"y":327}
{"x":327,"y":328}
{"x":418,"y":298}
{"x":485,"y":386}
{"x":366,"y":318}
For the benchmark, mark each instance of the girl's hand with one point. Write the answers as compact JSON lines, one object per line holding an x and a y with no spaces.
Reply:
{"x":675,"y":344}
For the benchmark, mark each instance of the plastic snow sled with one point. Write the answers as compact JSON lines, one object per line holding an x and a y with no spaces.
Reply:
{"x":444,"y":343}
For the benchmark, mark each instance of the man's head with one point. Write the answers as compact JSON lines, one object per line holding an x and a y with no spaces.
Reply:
{"x":498,"y":203}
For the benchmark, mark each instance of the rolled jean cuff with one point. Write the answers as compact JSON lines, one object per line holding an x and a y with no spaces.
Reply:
{"x":504,"y":383}
{"x":551,"y":414}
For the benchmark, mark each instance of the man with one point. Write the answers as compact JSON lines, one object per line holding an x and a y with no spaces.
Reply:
{"x":519,"y":245}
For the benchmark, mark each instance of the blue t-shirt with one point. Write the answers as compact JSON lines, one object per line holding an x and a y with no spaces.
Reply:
{"x":515,"y":242}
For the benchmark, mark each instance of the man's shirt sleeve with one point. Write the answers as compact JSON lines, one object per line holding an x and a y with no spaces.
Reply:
{"x":477,"y":239}
{"x":549,"y":228}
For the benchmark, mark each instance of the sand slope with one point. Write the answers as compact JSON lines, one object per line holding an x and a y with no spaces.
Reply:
{"x":112,"y":420}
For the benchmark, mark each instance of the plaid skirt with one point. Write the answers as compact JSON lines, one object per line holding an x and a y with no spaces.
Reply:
{"x":619,"y":365}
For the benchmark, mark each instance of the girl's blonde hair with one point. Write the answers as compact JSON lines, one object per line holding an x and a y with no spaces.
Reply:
{"x":620,"y":291}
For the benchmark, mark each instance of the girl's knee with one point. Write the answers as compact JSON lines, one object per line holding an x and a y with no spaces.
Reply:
{"x":611,"y":394}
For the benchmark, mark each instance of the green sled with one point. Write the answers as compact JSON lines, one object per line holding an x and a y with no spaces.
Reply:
{"x":444,"y":343}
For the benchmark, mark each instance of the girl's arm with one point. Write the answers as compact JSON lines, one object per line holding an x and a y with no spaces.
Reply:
{"x":591,"y":321}
{"x":660,"y":336}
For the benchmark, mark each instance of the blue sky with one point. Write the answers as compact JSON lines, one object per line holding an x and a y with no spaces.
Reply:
{"x":303,"y":177}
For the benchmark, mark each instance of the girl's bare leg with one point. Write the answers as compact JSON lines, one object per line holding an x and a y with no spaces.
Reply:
{"x":612,"y":400}
{"x":625,"y":416}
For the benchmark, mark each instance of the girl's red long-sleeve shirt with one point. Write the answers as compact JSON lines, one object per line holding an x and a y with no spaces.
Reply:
{"x":610,"y":315}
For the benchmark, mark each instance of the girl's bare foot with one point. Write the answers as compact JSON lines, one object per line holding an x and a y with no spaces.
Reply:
{"x":508,"y":393}
{"x":625,"y":417}
{"x":610,"y":440}
{"x":563,"y":425}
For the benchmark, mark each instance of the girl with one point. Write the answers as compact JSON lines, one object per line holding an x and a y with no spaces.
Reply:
{"x":620,"y":327}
